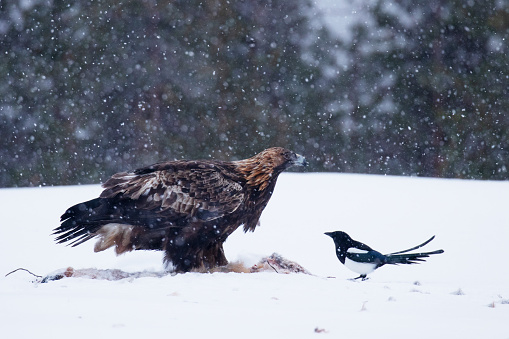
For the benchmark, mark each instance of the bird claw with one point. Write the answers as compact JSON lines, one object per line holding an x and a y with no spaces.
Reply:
{"x":362,"y":277}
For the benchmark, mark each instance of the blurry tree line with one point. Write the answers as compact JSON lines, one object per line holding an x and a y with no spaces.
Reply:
{"x":90,"y":88}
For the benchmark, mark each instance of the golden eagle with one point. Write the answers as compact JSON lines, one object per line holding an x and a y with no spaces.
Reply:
{"x":185,"y":208}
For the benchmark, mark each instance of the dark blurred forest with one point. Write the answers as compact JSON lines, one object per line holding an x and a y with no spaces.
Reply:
{"x":90,"y":88}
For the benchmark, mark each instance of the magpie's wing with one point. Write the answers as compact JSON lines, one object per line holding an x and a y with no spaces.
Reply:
{"x":414,"y":248}
{"x":361,"y":246}
{"x":365,"y":256}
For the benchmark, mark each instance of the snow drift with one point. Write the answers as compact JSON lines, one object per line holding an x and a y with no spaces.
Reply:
{"x":462,"y":293}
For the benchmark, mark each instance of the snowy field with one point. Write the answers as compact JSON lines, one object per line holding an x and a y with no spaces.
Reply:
{"x":463,"y":293}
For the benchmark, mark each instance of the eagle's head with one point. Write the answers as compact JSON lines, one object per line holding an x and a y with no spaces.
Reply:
{"x":280,"y":158}
{"x":264,"y":167}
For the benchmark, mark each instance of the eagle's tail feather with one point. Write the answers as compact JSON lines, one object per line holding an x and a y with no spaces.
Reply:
{"x":79,"y":223}
{"x":82,"y":209}
{"x":75,"y":236}
{"x":99,"y":218}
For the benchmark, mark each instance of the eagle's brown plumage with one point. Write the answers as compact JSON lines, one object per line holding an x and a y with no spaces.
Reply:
{"x":185,"y":208}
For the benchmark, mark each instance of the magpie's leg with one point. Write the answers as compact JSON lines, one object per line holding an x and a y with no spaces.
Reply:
{"x":362,"y":277}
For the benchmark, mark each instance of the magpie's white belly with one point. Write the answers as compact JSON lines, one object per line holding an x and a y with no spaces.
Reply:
{"x":361,"y":268}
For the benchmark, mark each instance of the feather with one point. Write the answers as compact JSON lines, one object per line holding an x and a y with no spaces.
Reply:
{"x":185,"y":208}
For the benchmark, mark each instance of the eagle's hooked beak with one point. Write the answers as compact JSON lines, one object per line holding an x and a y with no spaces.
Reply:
{"x":300,"y":160}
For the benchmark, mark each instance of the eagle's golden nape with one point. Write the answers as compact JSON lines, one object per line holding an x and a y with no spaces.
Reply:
{"x":185,"y":208}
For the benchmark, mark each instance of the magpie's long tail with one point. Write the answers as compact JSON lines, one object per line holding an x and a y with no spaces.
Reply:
{"x":414,"y":248}
{"x":410,"y":258}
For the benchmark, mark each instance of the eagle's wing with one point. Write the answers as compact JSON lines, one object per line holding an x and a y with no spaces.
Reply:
{"x":177,"y":190}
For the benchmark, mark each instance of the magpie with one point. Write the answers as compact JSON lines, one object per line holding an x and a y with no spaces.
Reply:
{"x":362,"y":259}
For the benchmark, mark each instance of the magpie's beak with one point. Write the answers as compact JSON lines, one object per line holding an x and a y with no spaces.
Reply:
{"x":329,"y":234}
{"x":300,"y":160}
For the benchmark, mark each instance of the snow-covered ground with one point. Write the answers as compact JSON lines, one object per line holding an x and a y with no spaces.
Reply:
{"x":463,"y":293}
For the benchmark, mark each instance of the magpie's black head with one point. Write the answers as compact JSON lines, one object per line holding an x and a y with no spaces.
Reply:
{"x":339,"y":236}
{"x":342,"y":241}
